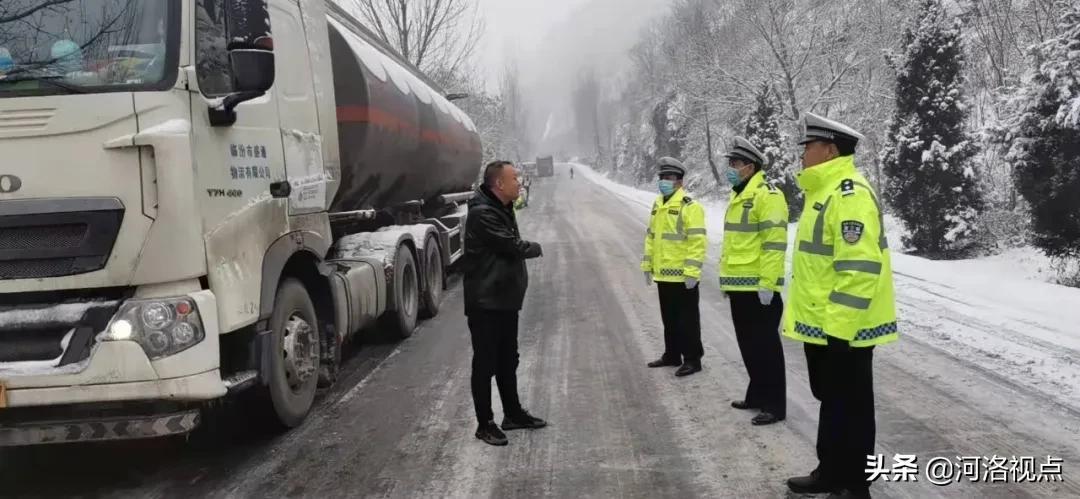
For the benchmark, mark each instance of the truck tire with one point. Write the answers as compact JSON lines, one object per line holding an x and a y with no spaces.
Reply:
{"x":293,"y":370}
{"x":406,"y":288}
{"x":433,"y":278}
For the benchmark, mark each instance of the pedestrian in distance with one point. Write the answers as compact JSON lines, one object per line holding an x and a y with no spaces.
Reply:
{"x":495,"y":283}
{"x":752,"y":276}
{"x":674,"y":255}
{"x":840,"y":305}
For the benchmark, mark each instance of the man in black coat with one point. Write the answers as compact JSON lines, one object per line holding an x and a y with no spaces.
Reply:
{"x":495,"y":284}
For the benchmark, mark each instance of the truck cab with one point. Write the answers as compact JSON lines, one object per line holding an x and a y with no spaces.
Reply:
{"x":165,"y":224}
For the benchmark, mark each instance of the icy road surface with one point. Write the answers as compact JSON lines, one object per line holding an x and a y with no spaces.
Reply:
{"x":400,"y":422}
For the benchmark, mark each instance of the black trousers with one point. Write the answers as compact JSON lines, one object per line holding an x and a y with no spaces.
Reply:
{"x":495,"y":353}
{"x":757,"y":330}
{"x":682,"y":322}
{"x":843,"y":382}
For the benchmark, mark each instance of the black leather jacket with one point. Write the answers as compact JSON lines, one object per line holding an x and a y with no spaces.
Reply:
{"x":494,"y":262}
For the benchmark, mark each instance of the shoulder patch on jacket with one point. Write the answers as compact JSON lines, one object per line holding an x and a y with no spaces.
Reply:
{"x":687,"y":200}
{"x":852,"y":230}
{"x":847,"y":187}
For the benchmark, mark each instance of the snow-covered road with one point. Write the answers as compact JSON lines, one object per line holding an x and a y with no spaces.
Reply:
{"x":400,"y":421}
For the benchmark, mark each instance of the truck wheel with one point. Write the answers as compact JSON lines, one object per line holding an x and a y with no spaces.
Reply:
{"x":294,"y":357}
{"x":402,"y":320}
{"x":433,"y":278}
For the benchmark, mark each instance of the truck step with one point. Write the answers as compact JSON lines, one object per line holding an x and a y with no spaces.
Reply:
{"x":240,"y":381}
{"x":95,"y":430}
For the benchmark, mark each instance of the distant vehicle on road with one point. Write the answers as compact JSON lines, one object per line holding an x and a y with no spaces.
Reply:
{"x":545,"y":166}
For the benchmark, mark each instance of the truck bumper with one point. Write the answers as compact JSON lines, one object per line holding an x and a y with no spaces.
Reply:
{"x":204,"y":386}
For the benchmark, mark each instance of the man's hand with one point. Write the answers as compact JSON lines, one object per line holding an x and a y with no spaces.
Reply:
{"x":648,"y":278}
{"x":691,"y":283}
{"x":534,"y":250}
{"x":765,"y":296}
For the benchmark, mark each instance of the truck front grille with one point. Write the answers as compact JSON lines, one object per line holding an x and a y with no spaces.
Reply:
{"x":46,"y":236}
{"x":57,"y":237}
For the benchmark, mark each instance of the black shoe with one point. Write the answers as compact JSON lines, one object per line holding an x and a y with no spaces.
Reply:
{"x":811,"y":484}
{"x":664,"y":362}
{"x":491,"y":434}
{"x":523,"y":421}
{"x":765,"y":418}
{"x":850,"y":494}
{"x":688,"y":368}
{"x":742,"y":404}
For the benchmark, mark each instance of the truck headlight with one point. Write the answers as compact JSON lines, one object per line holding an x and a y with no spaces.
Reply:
{"x":162,"y":327}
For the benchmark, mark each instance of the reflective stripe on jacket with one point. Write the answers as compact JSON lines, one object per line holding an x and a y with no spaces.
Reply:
{"x":755,"y":238}
{"x":675,"y":240}
{"x":841,"y":283}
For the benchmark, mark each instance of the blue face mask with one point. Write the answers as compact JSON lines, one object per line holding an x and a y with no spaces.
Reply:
{"x":667,"y":187}
{"x":733,"y":177}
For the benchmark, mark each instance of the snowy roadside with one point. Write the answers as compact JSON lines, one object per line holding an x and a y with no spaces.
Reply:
{"x":994,"y":312}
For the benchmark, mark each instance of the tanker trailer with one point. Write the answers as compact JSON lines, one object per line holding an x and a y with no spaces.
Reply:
{"x":274,"y":183}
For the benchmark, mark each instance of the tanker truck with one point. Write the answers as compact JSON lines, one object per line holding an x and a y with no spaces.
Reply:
{"x":202,"y":201}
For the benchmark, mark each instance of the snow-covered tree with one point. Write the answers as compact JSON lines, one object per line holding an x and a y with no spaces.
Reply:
{"x":763,"y":130}
{"x":1045,"y":145}
{"x":932,"y":183}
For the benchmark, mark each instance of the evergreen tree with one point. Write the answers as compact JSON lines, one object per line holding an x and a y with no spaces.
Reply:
{"x":929,"y":156}
{"x":763,"y":130}
{"x":1045,"y":145}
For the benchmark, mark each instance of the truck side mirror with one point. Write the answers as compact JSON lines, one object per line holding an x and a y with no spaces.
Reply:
{"x":252,"y":69}
{"x":251,"y":57}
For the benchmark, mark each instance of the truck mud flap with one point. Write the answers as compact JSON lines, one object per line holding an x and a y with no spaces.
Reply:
{"x":61,"y":432}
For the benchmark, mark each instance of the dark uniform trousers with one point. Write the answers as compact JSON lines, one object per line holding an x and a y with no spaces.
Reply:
{"x":495,"y":353}
{"x":757,"y":330}
{"x":843,"y":382}
{"x":682,"y":322}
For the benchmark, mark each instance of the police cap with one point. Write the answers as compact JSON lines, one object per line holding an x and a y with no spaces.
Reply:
{"x":744,"y":150}
{"x":668,"y":166}
{"x":818,"y":128}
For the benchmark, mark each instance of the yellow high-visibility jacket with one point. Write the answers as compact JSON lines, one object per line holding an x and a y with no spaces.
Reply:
{"x":841,"y":280}
{"x":755,"y":238}
{"x":675,"y":240}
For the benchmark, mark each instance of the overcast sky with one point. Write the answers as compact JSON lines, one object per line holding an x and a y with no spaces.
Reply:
{"x":550,"y":41}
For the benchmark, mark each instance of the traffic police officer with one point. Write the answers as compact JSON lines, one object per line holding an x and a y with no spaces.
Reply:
{"x":840,"y":304}
{"x":674,"y":254}
{"x":752,"y":276}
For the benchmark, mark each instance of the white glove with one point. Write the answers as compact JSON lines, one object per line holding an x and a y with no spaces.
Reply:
{"x":648,"y":278}
{"x":691,"y":283}
{"x":765,"y":296}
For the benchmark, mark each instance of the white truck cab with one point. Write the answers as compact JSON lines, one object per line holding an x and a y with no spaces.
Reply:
{"x":167,"y":169}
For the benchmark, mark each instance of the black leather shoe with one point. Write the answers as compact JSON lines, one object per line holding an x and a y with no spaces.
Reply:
{"x":742,"y":404}
{"x":522,"y":421}
{"x":765,"y":418}
{"x":491,"y":434}
{"x":663,"y":362}
{"x":850,"y":494}
{"x":688,"y":368}
{"x":811,"y":484}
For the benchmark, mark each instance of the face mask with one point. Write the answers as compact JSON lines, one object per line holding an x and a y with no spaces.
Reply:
{"x":667,"y":187}
{"x":733,"y":177}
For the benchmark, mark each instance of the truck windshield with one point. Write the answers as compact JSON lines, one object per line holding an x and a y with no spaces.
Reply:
{"x":87,"y":46}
